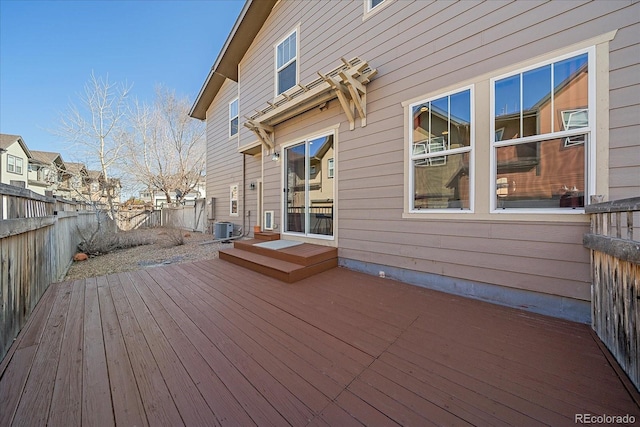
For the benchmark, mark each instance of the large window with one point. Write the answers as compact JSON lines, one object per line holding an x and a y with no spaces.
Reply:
{"x":233,"y":117}
{"x":309,"y":167}
{"x":440,"y":147}
{"x":286,"y":63}
{"x":542,"y":132}
{"x":14,"y":164}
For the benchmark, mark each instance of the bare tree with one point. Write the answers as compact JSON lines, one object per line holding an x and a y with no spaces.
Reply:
{"x":95,"y":128}
{"x":166,"y":148}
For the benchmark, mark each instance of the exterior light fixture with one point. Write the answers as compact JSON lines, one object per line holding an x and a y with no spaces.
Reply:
{"x":275,"y":156}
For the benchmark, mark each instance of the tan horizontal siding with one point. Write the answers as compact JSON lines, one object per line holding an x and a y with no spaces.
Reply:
{"x":624,"y":80}
{"x":224,"y":165}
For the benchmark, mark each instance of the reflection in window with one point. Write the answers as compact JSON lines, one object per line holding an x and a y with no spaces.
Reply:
{"x":553,"y":178}
{"x":545,"y":170}
{"x":574,"y":119}
{"x":440,"y":151}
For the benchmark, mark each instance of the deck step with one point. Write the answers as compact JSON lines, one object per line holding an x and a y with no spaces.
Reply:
{"x":267,"y":235}
{"x":282,"y":270}
{"x":305,"y":254}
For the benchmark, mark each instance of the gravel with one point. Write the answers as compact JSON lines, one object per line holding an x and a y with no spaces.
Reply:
{"x":196,"y":247}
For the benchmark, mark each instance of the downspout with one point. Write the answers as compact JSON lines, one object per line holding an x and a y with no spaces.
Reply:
{"x":244,"y":197}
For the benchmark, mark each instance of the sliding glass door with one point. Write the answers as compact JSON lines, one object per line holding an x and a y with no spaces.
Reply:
{"x":309,"y":187}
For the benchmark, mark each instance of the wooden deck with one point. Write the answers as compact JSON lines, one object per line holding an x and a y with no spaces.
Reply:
{"x":211,"y":343}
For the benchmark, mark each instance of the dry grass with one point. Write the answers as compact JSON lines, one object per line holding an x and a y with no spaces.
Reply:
{"x":161,"y":248}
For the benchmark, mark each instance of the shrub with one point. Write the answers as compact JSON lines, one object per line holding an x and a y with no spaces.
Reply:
{"x":95,"y":241}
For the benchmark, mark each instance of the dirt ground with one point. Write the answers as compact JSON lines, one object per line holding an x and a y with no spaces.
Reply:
{"x":162,"y":251}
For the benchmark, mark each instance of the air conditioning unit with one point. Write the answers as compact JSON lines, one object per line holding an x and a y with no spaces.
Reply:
{"x":223,"y":230}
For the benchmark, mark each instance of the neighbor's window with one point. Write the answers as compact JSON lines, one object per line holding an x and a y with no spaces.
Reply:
{"x":440,"y":149}
{"x":542,"y":128}
{"x":233,"y":196}
{"x":286,"y":63}
{"x":14,"y":164}
{"x":330,"y":168}
{"x":233,"y":117}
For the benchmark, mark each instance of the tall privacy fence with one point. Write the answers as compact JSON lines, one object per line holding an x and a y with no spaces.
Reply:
{"x":192,"y":217}
{"x":614,"y":241}
{"x":38,"y":238}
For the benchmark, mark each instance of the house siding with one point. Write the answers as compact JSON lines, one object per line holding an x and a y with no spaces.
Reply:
{"x":422,"y":49}
{"x":224,"y":164}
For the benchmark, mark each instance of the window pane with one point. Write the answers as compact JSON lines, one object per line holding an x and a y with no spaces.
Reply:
{"x":279,"y":56}
{"x":292,"y":46}
{"x":321,"y":186}
{"x":287,"y":77}
{"x":296,"y":176}
{"x":441,"y":182}
{"x":374,"y":3}
{"x":546,"y":174}
{"x":233,"y":109}
{"x":571,"y":91}
{"x":286,"y":50}
{"x":460,"y":127}
{"x":440,"y":121}
{"x":234,"y":126}
{"x":507,"y":107}
{"x":536,"y":101}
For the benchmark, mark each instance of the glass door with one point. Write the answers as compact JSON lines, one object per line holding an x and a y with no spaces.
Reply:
{"x":309,"y":187}
{"x":295,"y":188}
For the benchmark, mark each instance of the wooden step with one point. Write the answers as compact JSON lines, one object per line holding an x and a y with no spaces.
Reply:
{"x":305,"y":254}
{"x":266,"y":236}
{"x":282,"y":270}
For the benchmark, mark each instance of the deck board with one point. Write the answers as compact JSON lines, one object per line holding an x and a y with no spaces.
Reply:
{"x":212,"y":343}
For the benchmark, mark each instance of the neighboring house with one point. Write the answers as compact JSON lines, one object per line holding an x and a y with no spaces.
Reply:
{"x":46,"y":172}
{"x":74,"y":184}
{"x":451,"y":145}
{"x":99,"y":188}
{"x":158,"y":199}
{"x":14,"y":160}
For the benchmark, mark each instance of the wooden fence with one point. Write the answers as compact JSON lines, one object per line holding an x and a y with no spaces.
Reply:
{"x":138,"y":218}
{"x":614,"y":241}
{"x":191,"y":217}
{"x":38,"y":238}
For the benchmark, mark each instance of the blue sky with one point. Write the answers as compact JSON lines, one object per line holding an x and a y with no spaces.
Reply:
{"x":48,"y":50}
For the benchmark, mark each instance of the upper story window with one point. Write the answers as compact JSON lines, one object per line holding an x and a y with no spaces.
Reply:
{"x":233,"y":117}
{"x":371,"y":4}
{"x":14,"y":164}
{"x":542,"y":122}
{"x":287,"y":63}
{"x":440,"y":145}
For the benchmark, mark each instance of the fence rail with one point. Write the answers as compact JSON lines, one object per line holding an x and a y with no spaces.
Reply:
{"x":38,"y":238}
{"x":614,"y":241}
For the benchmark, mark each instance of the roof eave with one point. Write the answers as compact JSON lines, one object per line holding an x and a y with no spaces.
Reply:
{"x":249,"y":22}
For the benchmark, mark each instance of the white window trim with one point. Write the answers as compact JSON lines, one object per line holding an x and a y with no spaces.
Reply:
{"x":470,"y":149}
{"x":16,"y":160}
{"x":590,"y":151}
{"x":237,"y":199}
{"x":237,"y":116}
{"x":296,"y":30}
